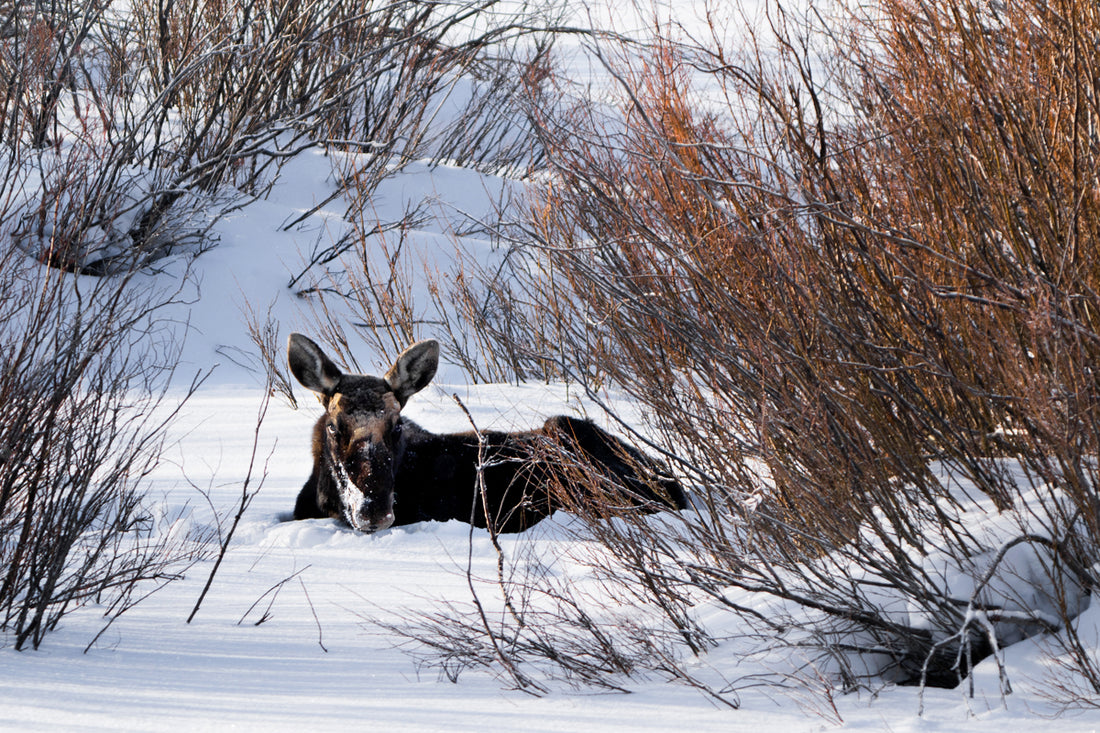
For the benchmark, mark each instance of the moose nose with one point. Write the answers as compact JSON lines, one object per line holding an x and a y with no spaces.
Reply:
{"x":382,"y":523}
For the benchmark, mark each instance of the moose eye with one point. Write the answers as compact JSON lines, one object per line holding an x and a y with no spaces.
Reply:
{"x":335,"y":432}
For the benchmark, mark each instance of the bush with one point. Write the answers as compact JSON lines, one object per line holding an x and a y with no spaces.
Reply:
{"x":138,"y":124}
{"x":82,"y":422}
{"x":126,"y":131}
{"x":859,"y":307}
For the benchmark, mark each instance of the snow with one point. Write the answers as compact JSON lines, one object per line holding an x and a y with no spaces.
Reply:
{"x":288,"y":637}
{"x":151,"y":671}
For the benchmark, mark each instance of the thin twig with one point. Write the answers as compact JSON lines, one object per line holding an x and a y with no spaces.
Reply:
{"x":242,"y":504}
{"x":320,"y":639}
{"x":273,"y":589}
{"x":522,"y":681}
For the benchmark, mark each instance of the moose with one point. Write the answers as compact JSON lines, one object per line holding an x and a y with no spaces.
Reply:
{"x":374,"y":468}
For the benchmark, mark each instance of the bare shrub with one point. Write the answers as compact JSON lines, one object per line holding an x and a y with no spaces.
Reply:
{"x":162,"y":111}
{"x":858,"y":307}
{"x":83,"y":417}
{"x":469,"y":107}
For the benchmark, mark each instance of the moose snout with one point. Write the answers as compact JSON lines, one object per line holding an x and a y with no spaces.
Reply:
{"x":371,"y":517}
{"x":381,"y":523}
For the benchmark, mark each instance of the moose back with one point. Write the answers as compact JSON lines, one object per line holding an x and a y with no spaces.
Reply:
{"x":374,"y":468}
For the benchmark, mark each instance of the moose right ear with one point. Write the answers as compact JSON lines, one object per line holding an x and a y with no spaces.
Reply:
{"x":310,"y":366}
{"x":413,"y":369}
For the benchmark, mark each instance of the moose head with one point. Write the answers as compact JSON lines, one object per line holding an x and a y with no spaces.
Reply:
{"x":358,"y":442}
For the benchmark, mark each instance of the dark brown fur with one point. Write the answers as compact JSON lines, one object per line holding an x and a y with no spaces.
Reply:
{"x":394,"y":472}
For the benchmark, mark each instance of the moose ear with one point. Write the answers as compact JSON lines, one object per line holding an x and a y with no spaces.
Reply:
{"x":413,"y":369}
{"x":310,"y":366}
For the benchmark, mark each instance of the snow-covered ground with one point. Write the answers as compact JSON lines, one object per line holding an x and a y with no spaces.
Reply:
{"x":288,"y":639}
{"x":289,"y":636}
{"x":317,"y":661}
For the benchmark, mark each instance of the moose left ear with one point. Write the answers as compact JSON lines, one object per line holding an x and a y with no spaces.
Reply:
{"x":310,"y":365}
{"x":414,"y":369}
